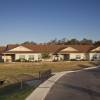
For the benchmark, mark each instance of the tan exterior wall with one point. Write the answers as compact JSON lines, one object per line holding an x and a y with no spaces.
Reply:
{"x":37,"y":56}
{"x":74,"y":55}
{"x":7,"y":58}
{"x":59,"y":57}
{"x":82,"y":56}
{"x":92,"y":55}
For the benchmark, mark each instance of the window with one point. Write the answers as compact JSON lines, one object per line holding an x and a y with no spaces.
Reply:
{"x":95,"y":57}
{"x":39,"y":57}
{"x":78,"y":57}
{"x":31,"y":57}
{"x":22,"y":57}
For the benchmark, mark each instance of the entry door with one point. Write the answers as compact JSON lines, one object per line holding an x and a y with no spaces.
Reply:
{"x":66,"y":56}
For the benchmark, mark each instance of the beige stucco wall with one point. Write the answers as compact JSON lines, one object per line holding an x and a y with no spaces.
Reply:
{"x":7,"y":58}
{"x":36,"y":56}
{"x":93,"y":54}
{"x":59,"y":57}
{"x":73,"y":55}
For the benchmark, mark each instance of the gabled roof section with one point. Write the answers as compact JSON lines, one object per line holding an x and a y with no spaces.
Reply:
{"x":20,"y":48}
{"x":75,"y":49}
{"x":17,"y":49}
{"x":30,"y":48}
{"x":96,"y":49}
{"x":69,"y":49}
{"x":11,"y":46}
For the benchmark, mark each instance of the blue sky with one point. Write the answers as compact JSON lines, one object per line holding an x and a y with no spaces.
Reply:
{"x":43,"y":20}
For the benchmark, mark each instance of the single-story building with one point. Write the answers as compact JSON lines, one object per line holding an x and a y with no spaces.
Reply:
{"x":29,"y":52}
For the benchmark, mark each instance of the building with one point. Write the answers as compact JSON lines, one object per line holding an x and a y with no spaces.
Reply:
{"x":29,"y":52}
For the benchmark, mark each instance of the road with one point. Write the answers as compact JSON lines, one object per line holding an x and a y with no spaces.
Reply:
{"x":80,"y":85}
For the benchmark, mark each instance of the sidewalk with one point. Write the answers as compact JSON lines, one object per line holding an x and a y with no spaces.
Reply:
{"x":41,"y":91}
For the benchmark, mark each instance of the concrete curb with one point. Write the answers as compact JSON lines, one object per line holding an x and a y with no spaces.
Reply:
{"x":43,"y":89}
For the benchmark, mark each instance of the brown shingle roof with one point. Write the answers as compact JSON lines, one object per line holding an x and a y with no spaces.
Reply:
{"x":34,"y":48}
{"x":96,"y":51}
{"x":49,"y":48}
{"x":43,"y":48}
{"x":11,"y":46}
{"x":2,"y":49}
{"x":79,"y":48}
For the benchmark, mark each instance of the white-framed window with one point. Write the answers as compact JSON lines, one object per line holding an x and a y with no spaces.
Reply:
{"x":78,"y":57}
{"x":31,"y":57}
{"x":95,"y":57}
{"x":21,"y":56}
{"x":39,"y":57}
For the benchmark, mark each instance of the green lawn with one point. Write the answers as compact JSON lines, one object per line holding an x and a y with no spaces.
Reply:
{"x":11,"y":73}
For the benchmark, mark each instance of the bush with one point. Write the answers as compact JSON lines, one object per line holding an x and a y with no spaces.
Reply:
{"x":73,"y":60}
{"x":1,"y":60}
{"x":45,"y":56}
{"x":21,"y":60}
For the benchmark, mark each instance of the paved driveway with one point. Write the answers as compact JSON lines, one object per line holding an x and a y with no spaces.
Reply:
{"x":81,"y":85}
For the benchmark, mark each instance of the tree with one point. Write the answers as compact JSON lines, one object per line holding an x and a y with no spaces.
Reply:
{"x":97,"y":43}
{"x":73,"y":41}
{"x":86,"y":41}
{"x":54,"y":41}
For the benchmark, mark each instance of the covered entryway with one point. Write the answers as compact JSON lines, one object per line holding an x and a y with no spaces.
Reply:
{"x":66,"y":57}
{"x":9,"y":57}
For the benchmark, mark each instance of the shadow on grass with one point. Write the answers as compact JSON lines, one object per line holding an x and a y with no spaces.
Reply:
{"x":14,"y":92}
{"x":83,"y":66}
{"x":95,"y":63}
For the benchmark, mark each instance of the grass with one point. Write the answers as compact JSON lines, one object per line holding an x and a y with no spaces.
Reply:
{"x":12,"y":72}
{"x":14,"y":92}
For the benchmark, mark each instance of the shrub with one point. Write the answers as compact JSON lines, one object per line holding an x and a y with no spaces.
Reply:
{"x":45,"y":55}
{"x":21,"y":60}
{"x":73,"y":60}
